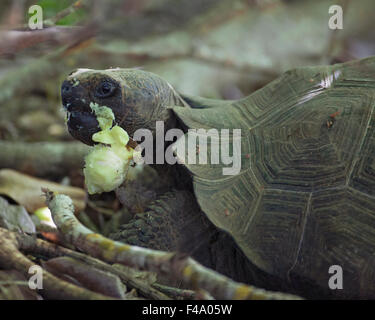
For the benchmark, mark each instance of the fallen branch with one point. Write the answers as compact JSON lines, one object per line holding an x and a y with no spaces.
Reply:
{"x":37,"y":246}
{"x":171,"y":265}
{"x":42,"y":158}
{"x":195,"y":53}
{"x":53,"y":287}
{"x":13,"y":41}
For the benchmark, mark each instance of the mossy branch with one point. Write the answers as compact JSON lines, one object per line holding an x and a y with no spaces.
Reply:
{"x":172,"y":265}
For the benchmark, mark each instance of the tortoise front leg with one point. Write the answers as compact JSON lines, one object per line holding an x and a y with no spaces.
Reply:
{"x":174,"y":222}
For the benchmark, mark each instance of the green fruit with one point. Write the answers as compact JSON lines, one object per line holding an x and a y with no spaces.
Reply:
{"x":107,"y":164}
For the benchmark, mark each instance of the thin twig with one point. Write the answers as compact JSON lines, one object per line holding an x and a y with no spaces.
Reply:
{"x":176,"y":293}
{"x":65,"y":12}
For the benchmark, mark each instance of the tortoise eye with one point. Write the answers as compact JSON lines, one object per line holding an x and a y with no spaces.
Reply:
{"x":105,"y":89}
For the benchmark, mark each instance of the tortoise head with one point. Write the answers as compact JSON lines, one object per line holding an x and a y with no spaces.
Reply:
{"x":137,"y":98}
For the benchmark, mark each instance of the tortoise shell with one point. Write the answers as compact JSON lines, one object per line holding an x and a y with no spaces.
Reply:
{"x":304,"y":199}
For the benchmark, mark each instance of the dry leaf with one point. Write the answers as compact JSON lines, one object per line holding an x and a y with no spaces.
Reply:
{"x":15,"y":218}
{"x":26,"y":190}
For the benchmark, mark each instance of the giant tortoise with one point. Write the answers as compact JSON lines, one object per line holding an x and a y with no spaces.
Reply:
{"x":300,"y":210}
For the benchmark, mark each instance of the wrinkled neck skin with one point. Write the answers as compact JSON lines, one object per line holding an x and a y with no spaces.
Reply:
{"x":147,"y":113}
{"x":168,"y":97}
{"x":145,"y":99}
{"x":176,"y":175}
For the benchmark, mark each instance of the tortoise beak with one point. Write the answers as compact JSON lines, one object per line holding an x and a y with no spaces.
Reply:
{"x":82,"y":126}
{"x":82,"y":123}
{"x":73,"y":97}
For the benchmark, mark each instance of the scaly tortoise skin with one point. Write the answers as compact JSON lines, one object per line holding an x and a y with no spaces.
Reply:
{"x":304,"y":199}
